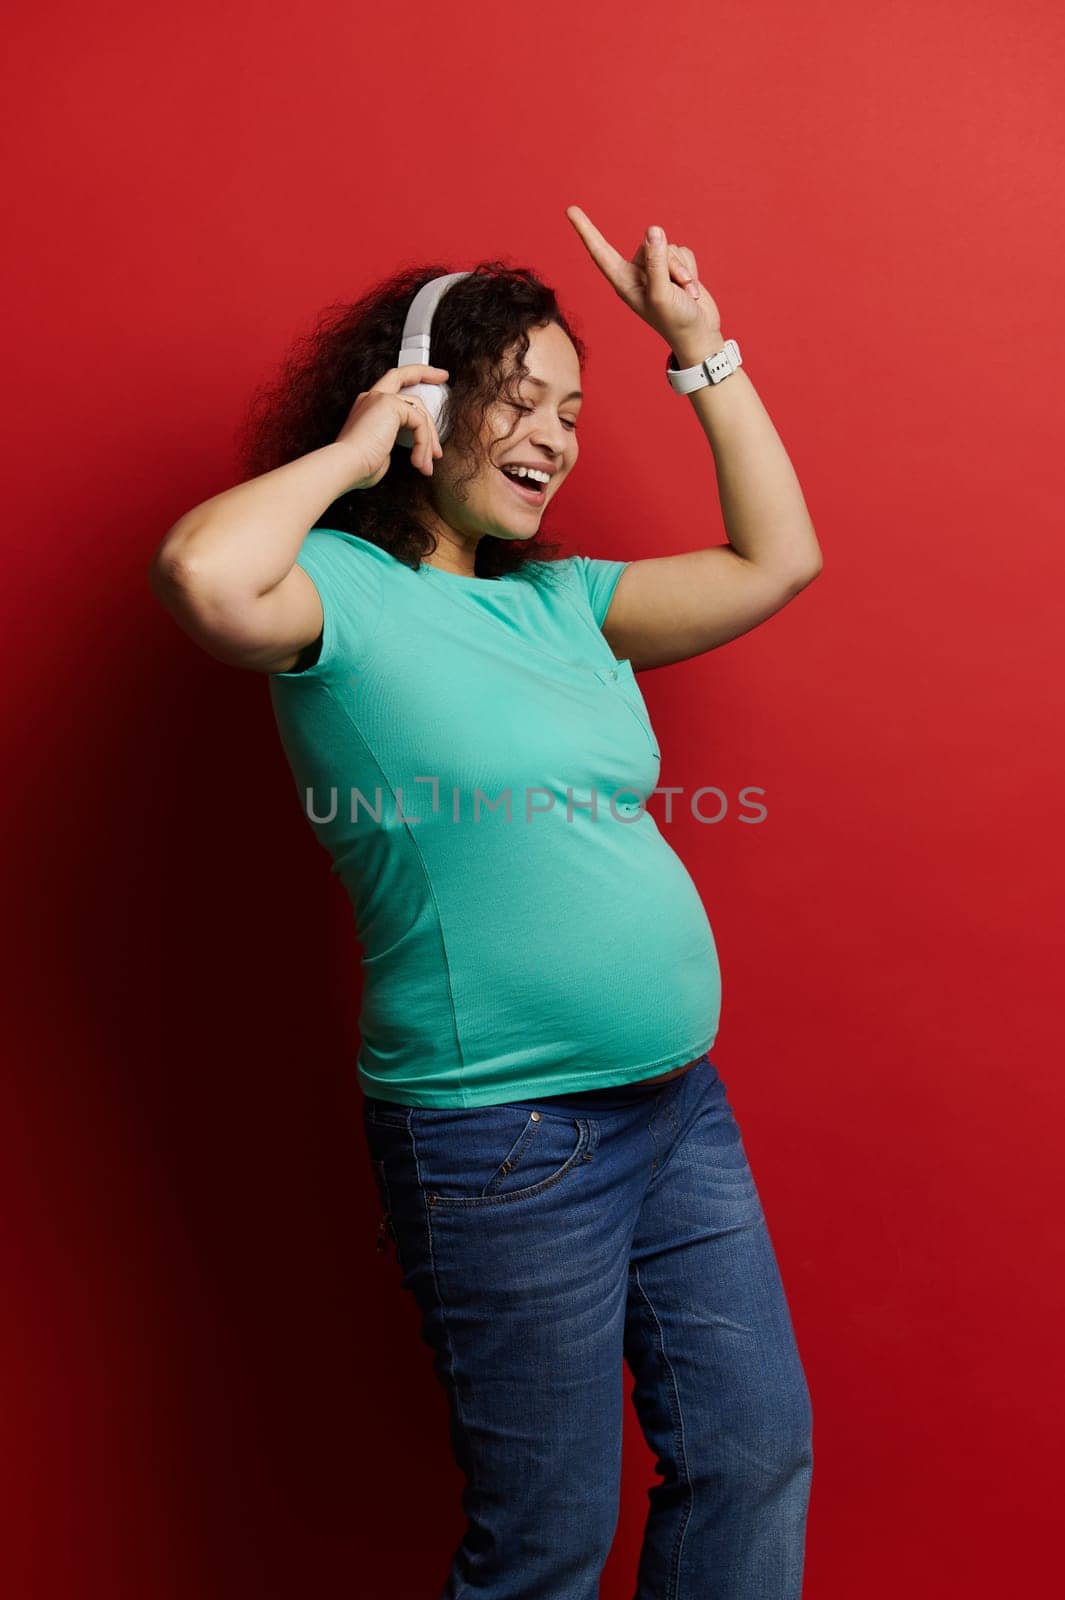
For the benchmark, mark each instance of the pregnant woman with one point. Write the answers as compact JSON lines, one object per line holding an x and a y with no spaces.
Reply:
{"x":558,"y":1166}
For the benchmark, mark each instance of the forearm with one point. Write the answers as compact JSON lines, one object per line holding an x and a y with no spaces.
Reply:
{"x":762,"y":505}
{"x":246,"y":539}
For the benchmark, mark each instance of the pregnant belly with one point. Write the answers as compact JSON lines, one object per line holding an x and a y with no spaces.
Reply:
{"x":566,"y":958}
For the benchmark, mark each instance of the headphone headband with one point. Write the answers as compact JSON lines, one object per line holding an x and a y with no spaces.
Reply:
{"x":414,"y":351}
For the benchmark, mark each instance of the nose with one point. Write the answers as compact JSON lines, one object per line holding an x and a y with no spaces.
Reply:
{"x":551,"y":438}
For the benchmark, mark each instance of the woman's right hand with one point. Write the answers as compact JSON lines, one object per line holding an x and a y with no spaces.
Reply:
{"x":377,"y":416}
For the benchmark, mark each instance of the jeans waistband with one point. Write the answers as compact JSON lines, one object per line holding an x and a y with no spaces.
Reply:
{"x":613,"y":1098}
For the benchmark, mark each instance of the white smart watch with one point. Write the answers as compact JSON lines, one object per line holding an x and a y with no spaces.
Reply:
{"x":722,"y":364}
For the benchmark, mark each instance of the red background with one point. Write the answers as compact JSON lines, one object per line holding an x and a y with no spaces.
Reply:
{"x":212,"y":1384}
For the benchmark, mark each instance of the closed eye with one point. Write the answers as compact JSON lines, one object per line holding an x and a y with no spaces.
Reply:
{"x":569,"y":424}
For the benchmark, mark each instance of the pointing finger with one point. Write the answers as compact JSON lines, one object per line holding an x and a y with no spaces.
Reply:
{"x":607,"y":259}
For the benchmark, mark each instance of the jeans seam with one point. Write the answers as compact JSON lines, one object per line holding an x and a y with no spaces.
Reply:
{"x":667,"y":1106}
{"x":676,"y":1412}
{"x":445,"y":1324}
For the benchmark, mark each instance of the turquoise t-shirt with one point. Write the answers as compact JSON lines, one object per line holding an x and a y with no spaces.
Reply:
{"x":475,"y":759}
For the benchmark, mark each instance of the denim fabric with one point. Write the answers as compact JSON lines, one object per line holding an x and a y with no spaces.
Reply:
{"x":549,"y":1242}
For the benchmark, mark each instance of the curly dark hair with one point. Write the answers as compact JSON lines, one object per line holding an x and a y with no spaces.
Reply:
{"x":477,"y":322}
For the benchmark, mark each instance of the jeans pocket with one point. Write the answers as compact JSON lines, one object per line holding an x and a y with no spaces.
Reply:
{"x":496,"y":1155}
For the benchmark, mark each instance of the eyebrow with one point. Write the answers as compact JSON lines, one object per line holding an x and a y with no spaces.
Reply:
{"x":575,"y":394}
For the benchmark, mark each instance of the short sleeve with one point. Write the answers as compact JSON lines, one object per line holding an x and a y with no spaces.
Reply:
{"x":596,"y":581}
{"x":347,"y":576}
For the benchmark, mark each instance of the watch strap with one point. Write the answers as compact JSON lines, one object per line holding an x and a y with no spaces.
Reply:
{"x":714,"y":369}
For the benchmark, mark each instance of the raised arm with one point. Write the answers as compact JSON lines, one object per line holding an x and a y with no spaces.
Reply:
{"x":668,"y":608}
{"x":226,"y":571}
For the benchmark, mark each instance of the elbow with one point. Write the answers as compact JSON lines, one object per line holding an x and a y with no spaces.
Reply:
{"x":174,"y":554}
{"x":169,"y":574}
{"x":174,"y":568}
{"x":802,"y":576}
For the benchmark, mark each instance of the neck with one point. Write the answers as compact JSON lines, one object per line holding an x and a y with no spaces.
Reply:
{"x":454,"y":552}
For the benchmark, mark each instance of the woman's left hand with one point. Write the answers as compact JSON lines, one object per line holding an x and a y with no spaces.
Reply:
{"x":660,"y":283}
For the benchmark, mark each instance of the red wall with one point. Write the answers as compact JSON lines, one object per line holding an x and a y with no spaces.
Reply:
{"x":212,"y":1384}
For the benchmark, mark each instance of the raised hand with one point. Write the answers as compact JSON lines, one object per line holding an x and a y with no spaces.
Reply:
{"x":377,"y":416}
{"x":660,"y":281}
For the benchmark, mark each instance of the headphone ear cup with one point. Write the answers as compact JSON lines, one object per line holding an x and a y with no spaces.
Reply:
{"x":434,"y":396}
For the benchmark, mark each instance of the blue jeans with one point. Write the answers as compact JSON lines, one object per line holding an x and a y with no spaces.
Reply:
{"x":547,"y":1241}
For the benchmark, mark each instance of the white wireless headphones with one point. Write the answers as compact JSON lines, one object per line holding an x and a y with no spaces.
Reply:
{"x":414,"y":351}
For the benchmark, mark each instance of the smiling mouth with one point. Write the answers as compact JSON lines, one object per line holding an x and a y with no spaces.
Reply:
{"x":530,"y":496}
